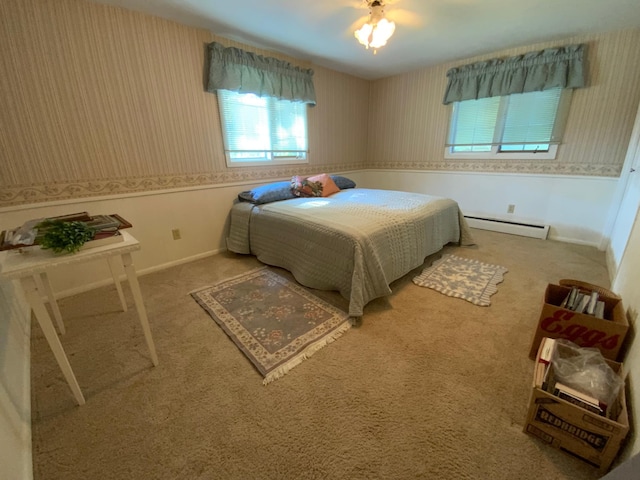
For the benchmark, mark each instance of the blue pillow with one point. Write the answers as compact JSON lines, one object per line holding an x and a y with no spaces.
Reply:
{"x":343,"y":182}
{"x":272,"y":192}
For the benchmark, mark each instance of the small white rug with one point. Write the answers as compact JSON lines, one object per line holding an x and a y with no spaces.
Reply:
{"x":465,"y":278}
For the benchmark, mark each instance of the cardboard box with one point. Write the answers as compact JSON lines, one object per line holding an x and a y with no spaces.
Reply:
{"x":584,"y":330}
{"x":587,"y":435}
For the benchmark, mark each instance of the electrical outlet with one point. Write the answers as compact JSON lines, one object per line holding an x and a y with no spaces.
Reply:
{"x":176,"y":234}
{"x":511,"y":209}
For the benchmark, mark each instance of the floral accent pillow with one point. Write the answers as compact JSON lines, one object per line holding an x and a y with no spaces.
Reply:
{"x":316,"y":186}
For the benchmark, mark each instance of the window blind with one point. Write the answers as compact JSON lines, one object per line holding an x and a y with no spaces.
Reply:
{"x":473,"y":124}
{"x":518,"y":122}
{"x":262,"y":128}
{"x":530,"y":118}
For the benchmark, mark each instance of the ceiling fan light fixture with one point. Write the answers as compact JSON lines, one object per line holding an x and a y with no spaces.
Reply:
{"x":377,"y":30}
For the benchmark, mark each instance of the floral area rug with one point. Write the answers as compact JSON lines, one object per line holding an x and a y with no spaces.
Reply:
{"x":276,"y":323}
{"x":465,"y":278}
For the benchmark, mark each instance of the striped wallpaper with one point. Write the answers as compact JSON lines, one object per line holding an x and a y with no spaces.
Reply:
{"x":99,"y":100}
{"x":408,"y":123}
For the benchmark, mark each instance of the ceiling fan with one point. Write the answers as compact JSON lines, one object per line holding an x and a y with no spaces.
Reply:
{"x":398,"y":15}
{"x":376,"y":28}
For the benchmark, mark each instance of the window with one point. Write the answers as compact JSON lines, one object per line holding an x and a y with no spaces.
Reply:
{"x":262,"y":130}
{"x":519,"y":126}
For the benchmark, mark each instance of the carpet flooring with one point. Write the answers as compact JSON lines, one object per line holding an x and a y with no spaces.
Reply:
{"x":428,"y":386}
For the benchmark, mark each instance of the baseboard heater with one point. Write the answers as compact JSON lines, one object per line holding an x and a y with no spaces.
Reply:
{"x":505,"y":226}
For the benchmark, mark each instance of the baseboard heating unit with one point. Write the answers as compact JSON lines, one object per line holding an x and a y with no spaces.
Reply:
{"x":505,"y":226}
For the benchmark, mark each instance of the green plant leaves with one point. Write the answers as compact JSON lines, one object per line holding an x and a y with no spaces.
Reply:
{"x":62,"y":236}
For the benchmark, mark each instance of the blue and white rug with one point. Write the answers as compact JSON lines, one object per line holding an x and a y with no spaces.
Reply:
{"x":465,"y":278}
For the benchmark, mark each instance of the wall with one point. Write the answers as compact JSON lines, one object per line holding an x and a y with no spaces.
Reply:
{"x":409,"y":124}
{"x":624,"y":267}
{"x":573,"y":194}
{"x":626,"y":284}
{"x":625,"y":203}
{"x":101,"y":100}
{"x":575,"y":207}
{"x":15,"y":392}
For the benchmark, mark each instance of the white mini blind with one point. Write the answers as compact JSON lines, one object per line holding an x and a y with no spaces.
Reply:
{"x":524,"y":122}
{"x":530,"y":118}
{"x":262,"y":129}
{"x":473,"y":124}
{"x":290,"y":121}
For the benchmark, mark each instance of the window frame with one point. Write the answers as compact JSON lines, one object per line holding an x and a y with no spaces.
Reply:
{"x":268,"y":159}
{"x":562,"y":113}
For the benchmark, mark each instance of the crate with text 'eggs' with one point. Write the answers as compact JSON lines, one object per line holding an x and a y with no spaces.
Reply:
{"x":606,"y":334}
{"x":564,"y":425}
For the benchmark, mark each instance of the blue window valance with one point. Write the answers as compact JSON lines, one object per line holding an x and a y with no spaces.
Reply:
{"x":239,"y":71}
{"x":534,"y":71}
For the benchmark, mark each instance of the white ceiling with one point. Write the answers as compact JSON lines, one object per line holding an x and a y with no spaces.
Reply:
{"x":428,"y":32}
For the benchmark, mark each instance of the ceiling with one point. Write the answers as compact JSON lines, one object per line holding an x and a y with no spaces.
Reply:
{"x":428,"y":32}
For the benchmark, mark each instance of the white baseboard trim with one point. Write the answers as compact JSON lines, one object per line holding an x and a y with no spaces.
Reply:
{"x":181,"y":261}
{"x":612,"y":266}
{"x":575,"y":241}
{"x":155,"y":268}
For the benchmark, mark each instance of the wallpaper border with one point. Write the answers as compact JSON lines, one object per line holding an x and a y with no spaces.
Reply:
{"x":532,"y":167}
{"x":41,"y":193}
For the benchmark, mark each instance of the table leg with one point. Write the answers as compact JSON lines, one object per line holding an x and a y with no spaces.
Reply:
{"x":34,"y":299}
{"x":130,"y":270}
{"x":46,"y":285}
{"x":113,"y":266}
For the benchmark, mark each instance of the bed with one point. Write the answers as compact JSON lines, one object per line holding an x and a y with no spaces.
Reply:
{"x":356,"y":241}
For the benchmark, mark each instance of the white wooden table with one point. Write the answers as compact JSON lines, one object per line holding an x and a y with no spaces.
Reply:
{"x":30,"y":268}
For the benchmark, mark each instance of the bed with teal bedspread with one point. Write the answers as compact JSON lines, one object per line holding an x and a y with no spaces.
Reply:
{"x":356,"y":241}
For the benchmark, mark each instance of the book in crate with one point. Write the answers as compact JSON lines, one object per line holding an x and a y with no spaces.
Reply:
{"x":545,"y":379}
{"x":588,"y":303}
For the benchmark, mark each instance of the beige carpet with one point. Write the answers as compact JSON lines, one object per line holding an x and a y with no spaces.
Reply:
{"x":428,"y":387}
